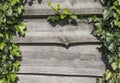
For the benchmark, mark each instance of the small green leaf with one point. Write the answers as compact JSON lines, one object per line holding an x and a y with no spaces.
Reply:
{"x":66,"y":11}
{"x":13,"y":2}
{"x":62,"y":16}
{"x":21,"y":29}
{"x":57,"y":8}
{"x":49,"y":4}
{"x":73,"y":16}
{"x":108,"y":74}
{"x":114,"y":65}
{"x":16,"y":65}
{"x":2,"y":80}
{"x":2,"y":46}
{"x":107,"y":14}
{"x":117,"y":23}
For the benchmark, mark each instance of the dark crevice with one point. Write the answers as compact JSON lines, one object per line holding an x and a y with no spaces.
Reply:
{"x":60,"y":75}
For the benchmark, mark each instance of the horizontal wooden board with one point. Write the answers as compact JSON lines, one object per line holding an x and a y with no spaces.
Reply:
{"x":54,"y":79}
{"x":40,"y":7}
{"x":41,"y":31}
{"x":53,"y":59}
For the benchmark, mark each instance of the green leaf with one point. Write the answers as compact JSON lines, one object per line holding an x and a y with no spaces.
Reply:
{"x":57,"y":8}
{"x":13,"y":2}
{"x":114,"y":65}
{"x":16,"y":65}
{"x":107,"y":14}
{"x":117,"y":23}
{"x":116,"y":3}
{"x":49,"y":4}
{"x":2,"y":80}
{"x":62,"y":16}
{"x":19,"y":9}
{"x":66,"y":11}
{"x":21,"y":29}
{"x":2,"y":46}
{"x":108,"y":74}
{"x":73,"y":16}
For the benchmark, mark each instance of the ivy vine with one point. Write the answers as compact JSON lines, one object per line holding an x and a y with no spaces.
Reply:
{"x":60,"y":14}
{"x":10,"y":25}
{"x":107,"y":30}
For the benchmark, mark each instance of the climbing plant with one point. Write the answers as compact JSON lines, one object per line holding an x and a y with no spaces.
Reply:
{"x":60,"y":15}
{"x":107,"y":30}
{"x":10,"y":25}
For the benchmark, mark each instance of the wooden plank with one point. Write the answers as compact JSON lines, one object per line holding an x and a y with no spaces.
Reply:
{"x":41,"y":31}
{"x":54,"y":79}
{"x":76,"y":60}
{"x":36,"y":7}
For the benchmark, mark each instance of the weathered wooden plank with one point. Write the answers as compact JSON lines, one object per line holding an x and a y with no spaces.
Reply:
{"x":54,"y":79}
{"x":40,"y":31}
{"x":36,"y":7}
{"x":76,"y":60}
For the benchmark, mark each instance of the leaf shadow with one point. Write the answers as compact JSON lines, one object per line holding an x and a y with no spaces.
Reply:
{"x":64,"y":22}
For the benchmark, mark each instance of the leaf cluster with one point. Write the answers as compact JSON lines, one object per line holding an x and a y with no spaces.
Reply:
{"x":60,"y":14}
{"x":10,"y":25}
{"x":107,"y":29}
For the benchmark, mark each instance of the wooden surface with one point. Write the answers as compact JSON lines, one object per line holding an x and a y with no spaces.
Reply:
{"x":54,"y":79}
{"x":60,"y":53}
{"x":75,"y":60}
{"x":41,"y":31}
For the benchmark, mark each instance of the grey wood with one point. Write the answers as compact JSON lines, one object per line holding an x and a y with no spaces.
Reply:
{"x":76,"y":60}
{"x":40,"y":31}
{"x":54,"y":79}
{"x":77,"y":6}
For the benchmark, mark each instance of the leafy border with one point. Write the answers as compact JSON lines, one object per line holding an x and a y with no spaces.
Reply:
{"x":107,"y":30}
{"x":10,"y":25}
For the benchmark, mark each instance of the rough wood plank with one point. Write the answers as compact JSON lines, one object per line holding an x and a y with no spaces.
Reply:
{"x":54,"y":79}
{"x":76,"y":60}
{"x":37,"y":7}
{"x":40,"y":31}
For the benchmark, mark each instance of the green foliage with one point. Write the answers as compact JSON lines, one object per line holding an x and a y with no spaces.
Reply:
{"x":107,"y":29}
{"x":10,"y":25}
{"x":60,"y":15}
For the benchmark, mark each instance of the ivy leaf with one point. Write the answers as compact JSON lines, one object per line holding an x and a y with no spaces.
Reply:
{"x":116,"y":3}
{"x":49,"y":4}
{"x":62,"y":16}
{"x":9,"y":12}
{"x":14,"y":50}
{"x":13,"y":2}
{"x":2,"y":80}
{"x":117,"y":23}
{"x":108,"y":74}
{"x":66,"y":11}
{"x":73,"y":16}
{"x":16,"y":66}
{"x":93,"y":19}
{"x":107,"y":14}
{"x":57,"y":8}
{"x":2,"y":45}
{"x":114,"y":66}
{"x":19,"y":9}
{"x":21,"y":29}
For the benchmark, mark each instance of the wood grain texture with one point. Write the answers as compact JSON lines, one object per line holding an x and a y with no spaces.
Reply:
{"x":76,"y":60}
{"x":54,"y":79}
{"x":41,"y":31}
{"x":40,"y":7}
